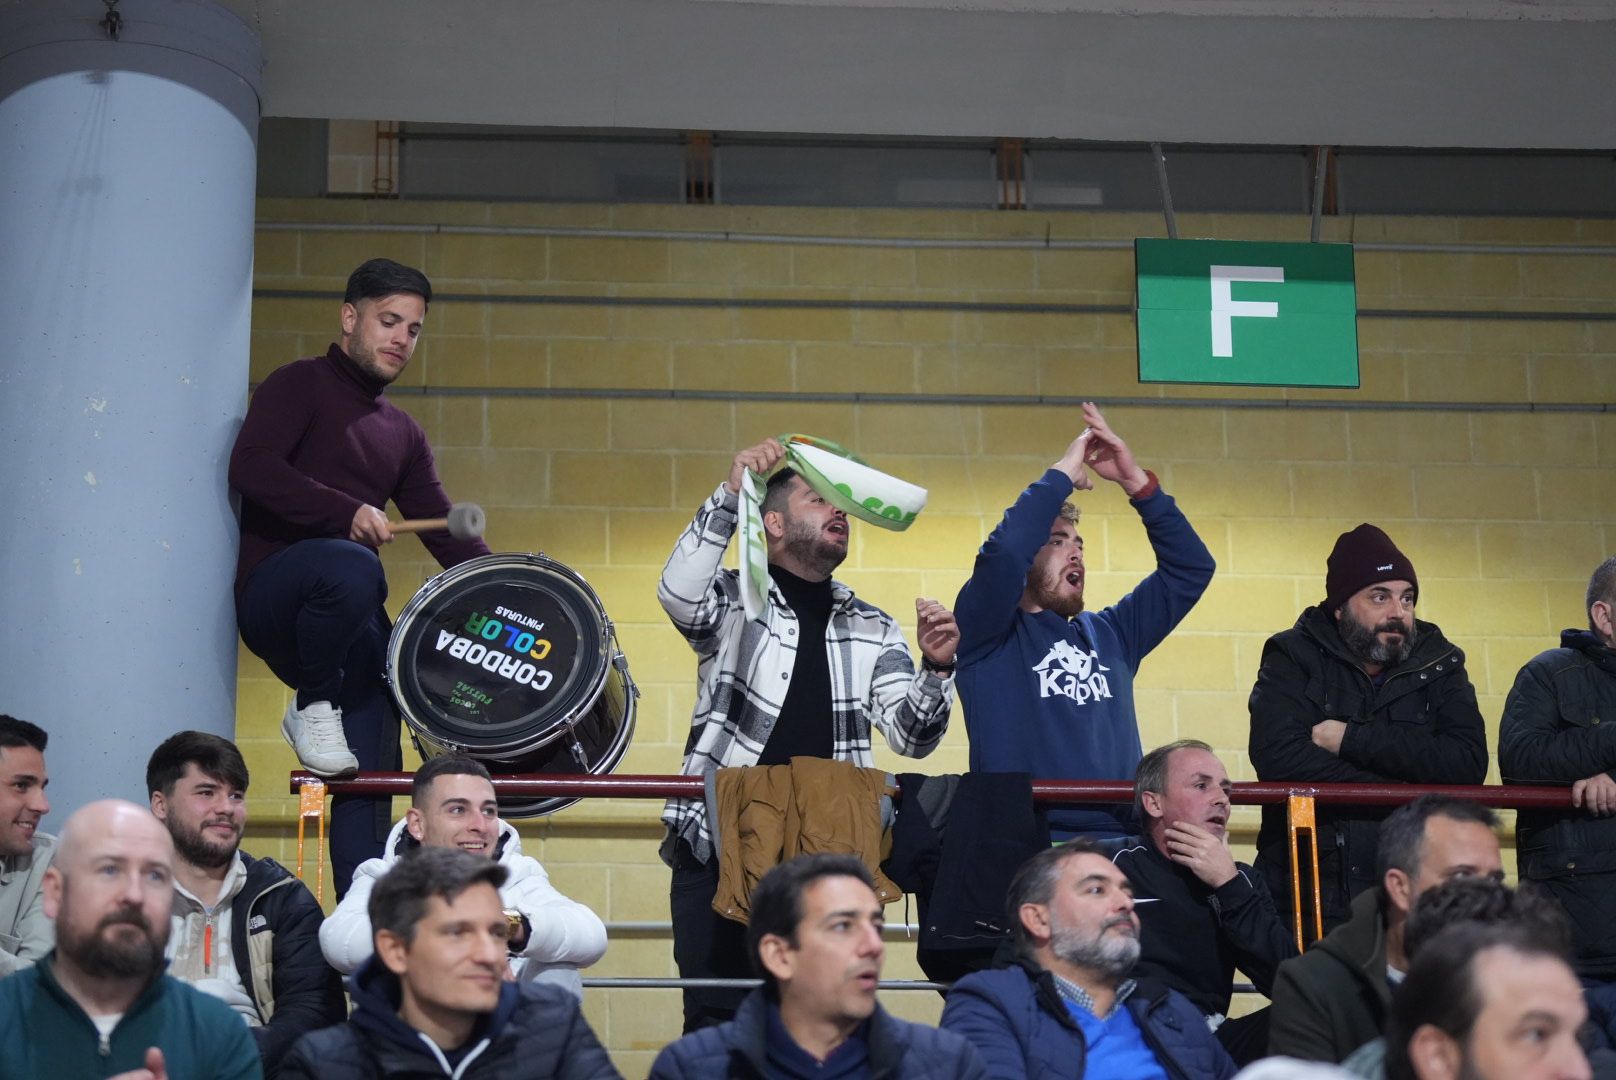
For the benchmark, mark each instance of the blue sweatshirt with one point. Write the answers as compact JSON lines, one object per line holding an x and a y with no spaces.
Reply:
{"x":1054,"y":697}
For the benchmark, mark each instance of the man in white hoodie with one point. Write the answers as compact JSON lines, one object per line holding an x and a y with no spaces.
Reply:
{"x":452,"y":805}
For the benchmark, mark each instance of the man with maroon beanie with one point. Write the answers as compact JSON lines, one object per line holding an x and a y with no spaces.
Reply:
{"x":1359,"y":691}
{"x":319,"y":455}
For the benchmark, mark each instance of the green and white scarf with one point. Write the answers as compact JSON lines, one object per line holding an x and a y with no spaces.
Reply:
{"x":844,"y":480}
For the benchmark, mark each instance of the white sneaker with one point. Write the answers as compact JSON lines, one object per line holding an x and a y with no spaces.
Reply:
{"x":316,"y":734}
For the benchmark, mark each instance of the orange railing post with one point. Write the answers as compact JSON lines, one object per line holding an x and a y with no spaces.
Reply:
{"x":1301,"y":821}
{"x":311,"y":804}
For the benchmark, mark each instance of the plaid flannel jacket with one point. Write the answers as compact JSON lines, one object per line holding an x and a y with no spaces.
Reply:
{"x":744,"y":668}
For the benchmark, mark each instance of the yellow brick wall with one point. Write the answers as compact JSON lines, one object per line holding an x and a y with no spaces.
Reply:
{"x":1503,"y":513}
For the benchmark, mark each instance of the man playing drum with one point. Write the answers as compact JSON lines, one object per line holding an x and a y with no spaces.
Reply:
{"x":766,"y":693}
{"x":320,"y":453}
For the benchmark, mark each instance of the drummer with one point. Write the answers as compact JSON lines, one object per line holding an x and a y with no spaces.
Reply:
{"x":741,"y":722}
{"x":319,"y":455}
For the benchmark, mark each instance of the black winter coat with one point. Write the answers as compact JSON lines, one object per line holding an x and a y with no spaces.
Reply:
{"x":1559,"y":727}
{"x":1421,"y":726}
{"x":275,"y":940}
{"x":536,"y":1033}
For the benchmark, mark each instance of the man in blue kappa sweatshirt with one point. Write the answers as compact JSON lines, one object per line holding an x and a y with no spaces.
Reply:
{"x":1047,"y":686}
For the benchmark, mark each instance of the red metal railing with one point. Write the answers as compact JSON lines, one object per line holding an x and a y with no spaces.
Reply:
{"x":1048,"y":792}
{"x":1300,"y":799}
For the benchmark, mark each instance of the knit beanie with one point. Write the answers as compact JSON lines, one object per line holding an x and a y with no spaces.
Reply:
{"x":1361,"y":558}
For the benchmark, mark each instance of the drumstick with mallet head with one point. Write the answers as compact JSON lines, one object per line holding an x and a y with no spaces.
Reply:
{"x":465,"y":522}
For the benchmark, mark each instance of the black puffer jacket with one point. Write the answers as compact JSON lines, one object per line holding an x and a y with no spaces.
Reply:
{"x":536,"y":1032}
{"x":275,"y":940}
{"x":1559,"y":727}
{"x":1421,"y":726}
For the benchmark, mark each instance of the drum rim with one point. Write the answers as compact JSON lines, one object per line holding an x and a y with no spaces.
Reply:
{"x":609,"y":649}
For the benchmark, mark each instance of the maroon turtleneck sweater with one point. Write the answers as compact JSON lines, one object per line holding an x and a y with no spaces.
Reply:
{"x":320,"y":441}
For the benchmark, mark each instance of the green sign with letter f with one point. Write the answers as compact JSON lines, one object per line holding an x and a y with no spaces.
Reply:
{"x":1256,"y":314}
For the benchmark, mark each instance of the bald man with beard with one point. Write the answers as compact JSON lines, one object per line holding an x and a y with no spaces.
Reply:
{"x":100,"y":1004}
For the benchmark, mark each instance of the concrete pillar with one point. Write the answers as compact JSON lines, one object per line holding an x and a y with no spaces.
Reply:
{"x":126,"y":237}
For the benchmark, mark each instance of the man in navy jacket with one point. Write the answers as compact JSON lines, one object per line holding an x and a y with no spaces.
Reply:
{"x":435,"y":999}
{"x":1068,"y":1008}
{"x":815,"y":938}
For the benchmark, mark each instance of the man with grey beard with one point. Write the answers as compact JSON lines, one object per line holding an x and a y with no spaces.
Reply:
{"x":1358,"y":691}
{"x":100,"y":1004}
{"x":1067,"y":1007}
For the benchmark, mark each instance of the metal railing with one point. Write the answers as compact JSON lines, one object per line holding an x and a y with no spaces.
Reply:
{"x":1300,"y":799}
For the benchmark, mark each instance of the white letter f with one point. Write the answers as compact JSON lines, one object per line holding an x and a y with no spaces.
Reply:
{"x":1225,"y":308}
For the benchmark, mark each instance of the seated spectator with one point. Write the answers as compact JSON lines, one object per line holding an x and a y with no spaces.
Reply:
{"x":815,"y":938}
{"x":1333,"y":998}
{"x":1487,"y":1002}
{"x":100,"y":1004}
{"x":1470,"y":900}
{"x":1201,"y":914}
{"x":1068,"y":1008}
{"x":25,"y":852}
{"x":244,"y":929}
{"x":435,"y":999}
{"x":452,"y":805}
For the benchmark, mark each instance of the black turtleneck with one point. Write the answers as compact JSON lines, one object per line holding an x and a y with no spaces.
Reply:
{"x":804,"y":727}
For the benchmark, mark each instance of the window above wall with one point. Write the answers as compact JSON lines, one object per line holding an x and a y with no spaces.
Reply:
{"x":445,"y":161}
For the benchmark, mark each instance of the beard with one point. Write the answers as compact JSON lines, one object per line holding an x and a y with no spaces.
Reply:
{"x":808,"y":545}
{"x":1047,"y":595}
{"x":1113,"y":955}
{"x":198,"y":850}
{"x":115,"y":956}
{"x":1362,"y":641}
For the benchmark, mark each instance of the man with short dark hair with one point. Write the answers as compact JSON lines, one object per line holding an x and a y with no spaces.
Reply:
{"x":452,"y":805}
{"x":1047,"y":686}
{"x":1069,"y":1007}
{"x":434,"y":999}
{"x":100,"y":1004}
{"x":1201,"y":914}
{"x":1333,"y":998}
{"x":1551,"y":734}
{"x":319,"y":456}
{"x":1358,"y":691}
{"x":1470,"y":900}
{"x":1487,"y":1002}
{"x":810,"y":676}
{"x":815,"y":939}
{"x":243,"y":929}
{"x":26,"y":933}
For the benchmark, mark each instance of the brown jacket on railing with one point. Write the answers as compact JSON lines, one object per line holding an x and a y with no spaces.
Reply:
{"x":764,"y":815}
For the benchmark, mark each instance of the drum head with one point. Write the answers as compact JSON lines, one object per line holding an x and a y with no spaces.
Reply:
{"x":496,"y":655}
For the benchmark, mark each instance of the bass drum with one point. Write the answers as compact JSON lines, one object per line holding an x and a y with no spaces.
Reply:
{"x":510,"y":658}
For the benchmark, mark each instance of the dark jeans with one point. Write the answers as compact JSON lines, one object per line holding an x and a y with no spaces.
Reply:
{"x":313,"y":612}
{"x":705,"y":944}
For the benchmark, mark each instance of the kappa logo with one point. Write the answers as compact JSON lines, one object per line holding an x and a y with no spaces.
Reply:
{"x":1069,"y":672}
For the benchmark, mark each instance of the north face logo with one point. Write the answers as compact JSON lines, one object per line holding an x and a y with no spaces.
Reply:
{"x":1068,"y":672}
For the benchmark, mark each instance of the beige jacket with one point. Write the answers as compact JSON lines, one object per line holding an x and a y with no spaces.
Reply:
{"x":764,"y":815}
{"x":25,"y":933}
